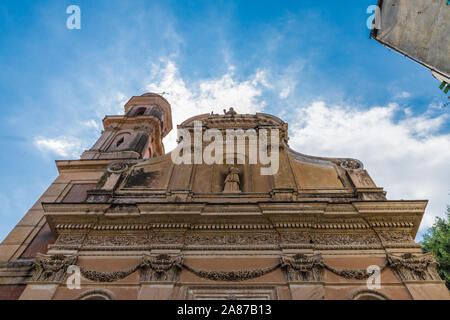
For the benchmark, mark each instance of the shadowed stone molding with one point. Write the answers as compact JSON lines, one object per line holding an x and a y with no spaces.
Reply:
{"x":161,"y":268}
{"x":302,"y":267}
{"x":409,"y":267}
{"x":51,"y":268}
{"x":16,"y":265}
{"x":21,"y":269}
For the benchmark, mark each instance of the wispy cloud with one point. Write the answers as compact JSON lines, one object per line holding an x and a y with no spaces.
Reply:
{"x":403,"y":95}
{"x":91,"y":124}
{"x":206,"y":95}
{"x":61,"y":146}
{"x":408,"y":158}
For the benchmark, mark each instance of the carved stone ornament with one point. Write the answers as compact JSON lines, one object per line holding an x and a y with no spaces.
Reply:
{"x":51,"y":268}
{"x":107,"y":276}
{"x":351,"y":164}
{"x":396,"y":236}
{"x":414,"y":267}
{"x":230,"y":112}
{"x":356,"y":274}
{"x":296,"y":238}
{"x":161,"y":268}
{"x":232,"y":239}
{"x":239,"y":275}
{"x":302,"y":267}
{"x":117,"y":167}
{"x":69,"y":239}
{"x":344,"y":239}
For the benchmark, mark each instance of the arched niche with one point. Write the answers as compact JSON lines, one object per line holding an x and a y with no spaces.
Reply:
{"x":96,"y":294}
{"x":367,"y":294}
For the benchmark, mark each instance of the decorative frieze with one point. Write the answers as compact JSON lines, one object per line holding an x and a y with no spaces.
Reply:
{"x":396,"y":236}
{"x":220,"y":239}
{"x":70,"y":239}
{"x":295,"y":238}
{"x":133,"y":240}
{"x":344,"y":239}
{"x":232,"y":239}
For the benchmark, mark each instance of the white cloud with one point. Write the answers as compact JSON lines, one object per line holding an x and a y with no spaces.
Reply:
{"x":403,"y":95}
{"x":61,"y":146}
{"x":206,"y":95}
{"x":408,"y":158}
{"x":285,"y":93}
{"x":91,"y":124}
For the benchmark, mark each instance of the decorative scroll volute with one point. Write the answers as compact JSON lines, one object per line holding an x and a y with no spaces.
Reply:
{"x":51,"y":268}
{"x":414,"y":267}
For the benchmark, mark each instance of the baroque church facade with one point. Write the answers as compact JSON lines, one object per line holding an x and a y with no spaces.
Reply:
{"x":125,"y":222}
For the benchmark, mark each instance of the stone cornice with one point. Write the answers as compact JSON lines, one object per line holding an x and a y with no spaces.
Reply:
{"x":124,"y":121}
{"x":314,"y":216}
{"x":83,"y":165}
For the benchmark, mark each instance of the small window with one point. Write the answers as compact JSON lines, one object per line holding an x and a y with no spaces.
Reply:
{"x":140,"y":111}
{"x":121,"y":140}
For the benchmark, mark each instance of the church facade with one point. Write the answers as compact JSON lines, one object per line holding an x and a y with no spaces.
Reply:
{"x":126,"y":221}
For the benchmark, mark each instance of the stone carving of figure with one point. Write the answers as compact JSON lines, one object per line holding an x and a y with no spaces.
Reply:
{"x":232,"y":182}
{"x":230,"y":112}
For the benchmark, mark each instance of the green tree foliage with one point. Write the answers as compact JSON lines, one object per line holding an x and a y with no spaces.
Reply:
{"x":437,"y":240}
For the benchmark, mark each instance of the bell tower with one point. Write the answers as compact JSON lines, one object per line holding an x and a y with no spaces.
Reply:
{"x":136,"y":135}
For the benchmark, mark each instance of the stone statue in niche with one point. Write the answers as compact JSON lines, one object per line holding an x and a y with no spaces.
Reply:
{"x":232,"y":181}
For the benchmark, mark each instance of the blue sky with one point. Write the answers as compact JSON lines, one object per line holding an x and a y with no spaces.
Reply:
{"x":309,"y":62}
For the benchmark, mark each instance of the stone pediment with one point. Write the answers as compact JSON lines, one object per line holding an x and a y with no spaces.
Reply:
{"x":299,"y":177}
{"x":234,"y":120}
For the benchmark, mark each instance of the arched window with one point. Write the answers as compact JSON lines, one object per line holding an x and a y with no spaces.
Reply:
{"x":156,"y":112}
{"x":120,"y":141}
{"x":140,"y":111}
{"x":366,"y":294}
{"x":96,"y":294}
